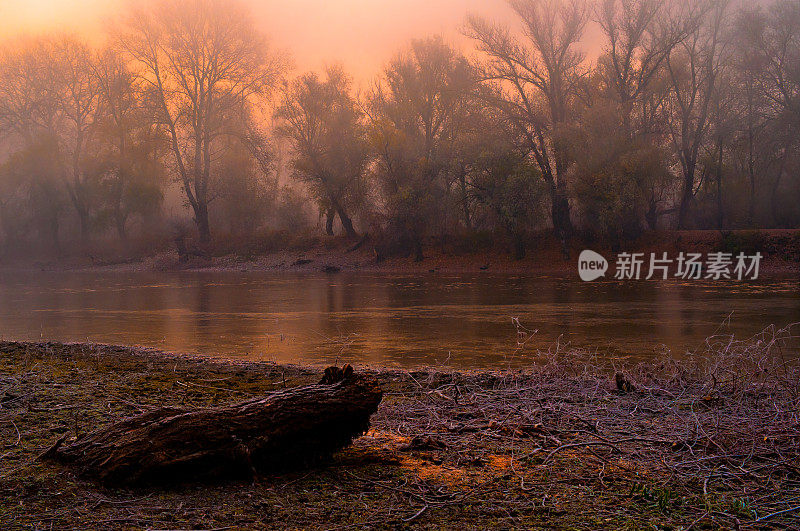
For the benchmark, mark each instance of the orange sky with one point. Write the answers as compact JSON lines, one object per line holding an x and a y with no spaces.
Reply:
{"x":362,"y":34}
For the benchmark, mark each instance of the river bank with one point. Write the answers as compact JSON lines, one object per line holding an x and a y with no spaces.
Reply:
{"x":544,"y":256}
{"x":711,"y":441}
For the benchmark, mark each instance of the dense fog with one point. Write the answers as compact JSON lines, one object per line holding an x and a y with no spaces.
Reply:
{"x":182,"y":122}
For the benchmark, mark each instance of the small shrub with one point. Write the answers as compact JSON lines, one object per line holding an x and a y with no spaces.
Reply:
{"x":749,"y":243}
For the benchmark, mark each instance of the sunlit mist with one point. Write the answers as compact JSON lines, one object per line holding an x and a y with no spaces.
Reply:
{"x":361,"y":34}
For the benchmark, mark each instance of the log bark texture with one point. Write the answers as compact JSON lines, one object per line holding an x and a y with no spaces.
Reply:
{"x":286,"y":429}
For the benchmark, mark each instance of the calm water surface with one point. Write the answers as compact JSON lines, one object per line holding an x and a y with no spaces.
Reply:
{"x":465,"y":321}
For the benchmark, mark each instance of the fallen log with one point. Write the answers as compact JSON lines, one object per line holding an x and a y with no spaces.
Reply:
{"x":286,"y":429}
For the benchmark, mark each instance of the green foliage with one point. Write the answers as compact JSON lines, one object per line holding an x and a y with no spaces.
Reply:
{"x":416,"y":116}
{"x":291,"y":211}
{"x":325,"y":126}
{"x":248,"y":193}
{"x":615,"y":177}
{"x":34,"y":197}
{"x":512,"y":189}
{"x":663,"y":499}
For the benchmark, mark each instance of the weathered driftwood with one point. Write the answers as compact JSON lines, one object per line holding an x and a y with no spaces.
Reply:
{"x":286,"y":429}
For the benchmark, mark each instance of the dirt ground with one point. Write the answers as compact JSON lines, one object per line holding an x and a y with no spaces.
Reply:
{"x":565,"y":445}
{"x":780,"y":248}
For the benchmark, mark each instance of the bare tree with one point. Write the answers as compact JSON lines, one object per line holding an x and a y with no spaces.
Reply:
{"x":25,"y":108}
{"x":539,"y":79}
{"x":748,"y":110}
{"x":207,"y":65}
{"x":693,"y":69}
{"x":780,"y":45}
{"x":119,"y":109}
{"x":76,"y":93}
{"x":640,"y":35}
{"x":132,"y":146}
{"x":37,"y":108}
{"x":777,"y":39}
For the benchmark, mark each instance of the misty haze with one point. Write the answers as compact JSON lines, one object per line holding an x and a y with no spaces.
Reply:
{"x":529,"y":264}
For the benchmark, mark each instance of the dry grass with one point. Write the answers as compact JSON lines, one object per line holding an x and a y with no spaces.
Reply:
{"x":720,"y":427}
{"x":710,"y":441}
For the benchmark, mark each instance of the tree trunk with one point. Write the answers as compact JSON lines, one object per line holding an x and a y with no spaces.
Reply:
{"x":720,"y":213}
{"x":519,"y":246}
{"x":287,"y":428}
{"x":83,"y":217}
{"x":120,"y":217}
{"x":53,"y":230}
{"x":561,"y":215}
{"x":651,"y":216}
{"x":121,"y":222}
{"x":562,"y":222}
{"x":686,"y":198}
{"x":201,"y":219}
{"x":347,"y":223}
{"x":751,"y":171}
{"x":776,"y":188}
{"x":330,"y":216}
{"x":462,"y":180}
{"x":419,"y":256}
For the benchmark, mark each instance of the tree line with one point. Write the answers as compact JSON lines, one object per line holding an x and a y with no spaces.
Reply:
{"x":687,"y":117}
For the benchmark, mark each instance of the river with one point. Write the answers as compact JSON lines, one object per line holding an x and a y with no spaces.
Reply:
{"x":461,"y":321}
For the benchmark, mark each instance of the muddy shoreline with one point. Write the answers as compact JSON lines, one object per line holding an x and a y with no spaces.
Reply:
{"x":545,"y":257}
{"x":562,"y":444}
